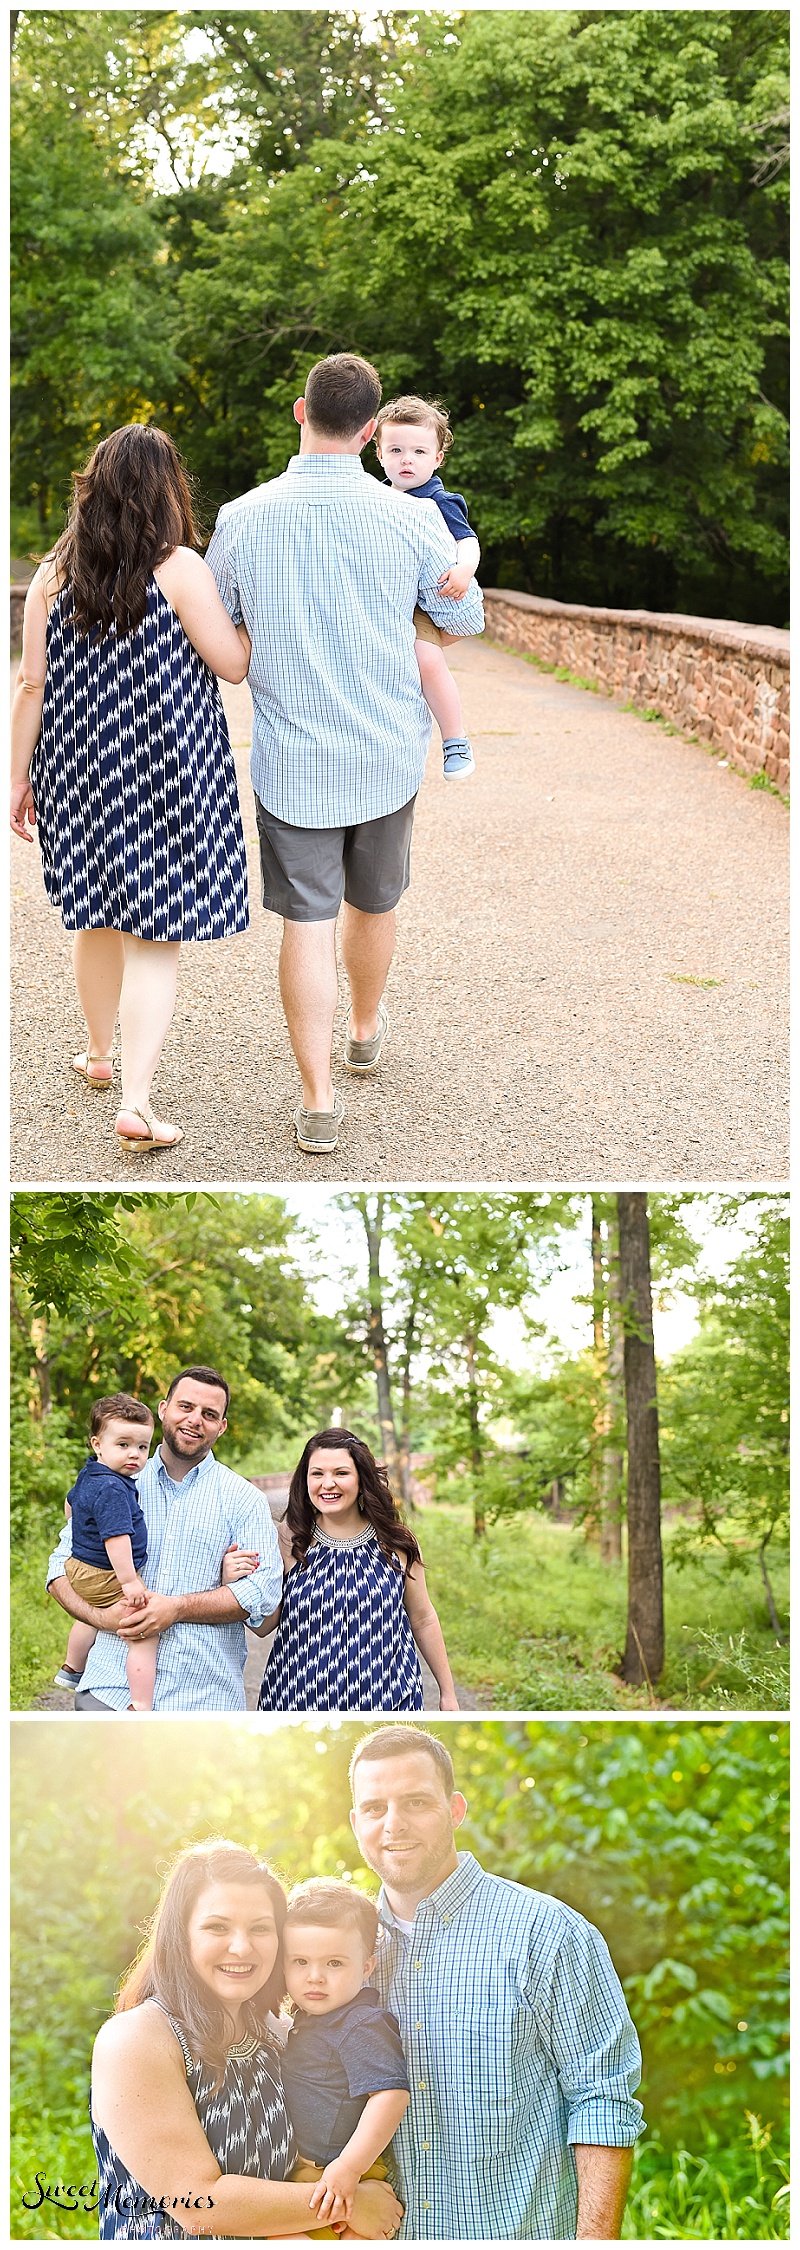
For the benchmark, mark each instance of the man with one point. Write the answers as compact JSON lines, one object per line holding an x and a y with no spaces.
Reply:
{"x":522,"y":2058}
{"x":195,"y":1509}
{"x":325,"y":566}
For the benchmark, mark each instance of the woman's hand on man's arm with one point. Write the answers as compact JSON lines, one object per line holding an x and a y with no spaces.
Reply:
{"x":191,"y":590}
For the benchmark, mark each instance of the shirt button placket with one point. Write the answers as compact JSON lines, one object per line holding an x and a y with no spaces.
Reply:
{"x":420,"y":2077}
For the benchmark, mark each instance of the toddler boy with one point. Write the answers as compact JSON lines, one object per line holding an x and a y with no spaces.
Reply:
{"x":109,"y":1536}
{"x":344,"y":2072}
{"x":411,"y":438}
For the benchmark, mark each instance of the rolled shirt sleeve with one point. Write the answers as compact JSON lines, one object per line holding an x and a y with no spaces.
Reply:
{"x":592,"y":2041}
{"x":441,"y":553}
{"x":259,"y":1594}
{"x":55,"y":1567}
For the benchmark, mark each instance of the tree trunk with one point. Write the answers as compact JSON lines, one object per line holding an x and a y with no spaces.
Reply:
{"x":613,"y":1460}
{"x":592,"y":1519}
{"x":409,"y":1340}
{"x":773,"y":1614}
{"x":476,"y":1449}
{"x":644,"y":1646}
{"x":377,"y":1338}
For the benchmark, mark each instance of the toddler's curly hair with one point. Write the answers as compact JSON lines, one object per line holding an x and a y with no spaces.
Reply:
{"x":416,"y":410}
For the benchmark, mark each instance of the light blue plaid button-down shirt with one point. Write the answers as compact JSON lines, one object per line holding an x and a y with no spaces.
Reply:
{"x":189,"y":1526}
{"x":518,"y":2044}
{"x":325,"y":566}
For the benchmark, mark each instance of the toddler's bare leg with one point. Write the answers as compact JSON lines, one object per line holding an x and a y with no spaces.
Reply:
{"x":81,"y":1639}
{"x":440,"y":691}
{"x":141,"y":1669}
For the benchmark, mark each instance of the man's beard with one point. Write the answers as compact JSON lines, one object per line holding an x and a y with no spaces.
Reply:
{"x":424,"y":1866}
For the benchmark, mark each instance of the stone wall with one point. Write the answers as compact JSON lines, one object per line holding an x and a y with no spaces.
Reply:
{"x":726,"y":683}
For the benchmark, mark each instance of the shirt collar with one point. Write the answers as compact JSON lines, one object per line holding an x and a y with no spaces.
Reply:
{"x":326,"y":464}
{"x":424,"y":491}
{"x":199,"y":1470}
{"x":361,"y":2003}
{"x":443,"y":1903}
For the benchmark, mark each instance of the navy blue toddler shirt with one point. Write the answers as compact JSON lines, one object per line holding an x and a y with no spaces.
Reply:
{"x":105,"y":1505}
{"x":451,"y":505}
{"x":331,"y":2066}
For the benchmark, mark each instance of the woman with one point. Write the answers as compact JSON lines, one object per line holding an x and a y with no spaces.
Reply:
{"x":120,"y":751}
{"x":355,"y":1599}
{"x":187,"y":2109}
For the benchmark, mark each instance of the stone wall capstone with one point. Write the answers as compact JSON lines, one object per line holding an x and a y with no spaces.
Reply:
{"x":725,"y":682}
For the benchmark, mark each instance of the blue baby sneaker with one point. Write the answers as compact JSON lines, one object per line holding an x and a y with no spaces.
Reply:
{"x":458,"y":758}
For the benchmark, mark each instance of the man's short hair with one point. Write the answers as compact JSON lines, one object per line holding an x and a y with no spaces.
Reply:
{"x":119,"y":1408}
{"x":330,"y":1904}
{"x":420,"y":413}
{"x":342,"y":393}
{"x":404,"y":1742}
{"x":200,"y":1375}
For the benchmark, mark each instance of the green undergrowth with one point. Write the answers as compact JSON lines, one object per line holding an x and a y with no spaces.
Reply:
{"x":533,"y":1620}
{"x":39,"y":1628}
{"x":721,"y":2192}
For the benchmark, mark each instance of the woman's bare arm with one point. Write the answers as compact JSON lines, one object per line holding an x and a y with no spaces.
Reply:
{"x":428,"y":1634}
{"x":26,"y":709}
{"x":190,"y":588}
{"x":141,"y":2099}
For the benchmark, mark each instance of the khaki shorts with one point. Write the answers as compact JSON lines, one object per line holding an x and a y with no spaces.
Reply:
{"x":425,"y":629}
{"x":99,"y":1587}
{"x":306,"y":872}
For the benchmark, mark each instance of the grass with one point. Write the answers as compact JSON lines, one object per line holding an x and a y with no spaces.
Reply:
{"x":534,"y":1621}
{"x":707,"y":984}
{"x":762,"y":781}
{"x":715,"y":2193}
{"x":39,"y":1627}
{"x":722,"y":2192}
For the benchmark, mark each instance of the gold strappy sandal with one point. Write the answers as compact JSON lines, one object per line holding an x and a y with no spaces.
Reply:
{"x":144,"y":1143}
{"x":83,"y":1063}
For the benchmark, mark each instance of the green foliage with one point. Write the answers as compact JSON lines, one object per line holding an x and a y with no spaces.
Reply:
{"x":533,"y":1620}
{"x":140,"y":1286}
{"x":725,"y":1400}
{"x":729,"y":2193}
{"x":560,"y":219}
{"x":671,"y":1838}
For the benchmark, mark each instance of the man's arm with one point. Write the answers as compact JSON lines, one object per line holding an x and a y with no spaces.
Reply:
{"x":105,"y":1620}
{"x":462,"y":616}
{"x":223,"y":569}
{"x":604,"y":2176}
{"x":217,"y":1605}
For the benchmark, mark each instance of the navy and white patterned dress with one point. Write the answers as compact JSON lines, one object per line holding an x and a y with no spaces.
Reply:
{"x":344,"y":1642}
{"x":134,"y":783}
{"x":245,"y":2125}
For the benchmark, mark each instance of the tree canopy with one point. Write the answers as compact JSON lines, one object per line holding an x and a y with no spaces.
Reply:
{"x":569,"y":223}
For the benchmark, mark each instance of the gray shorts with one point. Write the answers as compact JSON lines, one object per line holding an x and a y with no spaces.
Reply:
{"x":306,"y":872}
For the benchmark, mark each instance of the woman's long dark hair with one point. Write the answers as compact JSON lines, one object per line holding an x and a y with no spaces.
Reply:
{"x":131,"y":505}
{"x":374,"y":1493}
{"x":163,"y":1970}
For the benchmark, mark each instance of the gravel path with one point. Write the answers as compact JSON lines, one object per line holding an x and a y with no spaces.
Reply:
{"x":589,"y":984}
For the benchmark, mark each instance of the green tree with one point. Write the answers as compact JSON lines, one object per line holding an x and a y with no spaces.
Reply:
{"x":727,"y":1408}
{"x":90,"y":345}
{"x":139,"y":1286}
{"x":561,"y":228}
